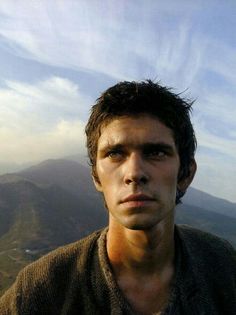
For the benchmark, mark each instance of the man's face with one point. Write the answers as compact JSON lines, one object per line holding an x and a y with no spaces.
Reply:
{"x":137,"y":167}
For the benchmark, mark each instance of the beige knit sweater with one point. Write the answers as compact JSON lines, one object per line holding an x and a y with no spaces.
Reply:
{"x":77,"y":279}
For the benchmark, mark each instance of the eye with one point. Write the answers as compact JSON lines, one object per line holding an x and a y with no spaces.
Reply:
{"x":156,"y":154}
{"x":115,"y":154}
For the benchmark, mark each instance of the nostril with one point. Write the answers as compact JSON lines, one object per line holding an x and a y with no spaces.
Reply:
{"x":142,"y":179}
{"x":134,"y":170}
{"x":128,"y":181}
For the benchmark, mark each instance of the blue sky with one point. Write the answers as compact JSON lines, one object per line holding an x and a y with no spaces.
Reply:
{"x":56,"y":57}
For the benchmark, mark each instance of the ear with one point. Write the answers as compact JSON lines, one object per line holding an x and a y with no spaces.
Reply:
{"x":184,"y":183}
{"x":97,"y":183}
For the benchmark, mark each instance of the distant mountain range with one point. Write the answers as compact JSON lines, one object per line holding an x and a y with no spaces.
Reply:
{"x":55,"y":202}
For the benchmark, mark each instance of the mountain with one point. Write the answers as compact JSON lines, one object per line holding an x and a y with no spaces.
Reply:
{"x":69,"y":175}
{"x":205,"y":201}
{"x":222,"y":225}
{"x":41,"y":208}
{"x":6,"y":167}
{"x":38,"y":217}
{"x":55,"y":202}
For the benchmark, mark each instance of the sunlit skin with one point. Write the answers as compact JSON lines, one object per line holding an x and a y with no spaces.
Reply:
{"x":137,"y":168}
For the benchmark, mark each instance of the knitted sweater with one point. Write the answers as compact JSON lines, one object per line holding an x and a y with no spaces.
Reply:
{"x":78,"y":279}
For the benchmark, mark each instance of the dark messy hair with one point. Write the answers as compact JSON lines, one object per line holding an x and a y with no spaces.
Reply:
{"x":146,"y":97}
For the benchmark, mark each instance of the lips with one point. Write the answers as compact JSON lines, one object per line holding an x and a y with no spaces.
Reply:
{"x":137,"y":197}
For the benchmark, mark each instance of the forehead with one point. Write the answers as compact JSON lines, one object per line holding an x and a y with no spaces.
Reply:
{"x":132,"y":130}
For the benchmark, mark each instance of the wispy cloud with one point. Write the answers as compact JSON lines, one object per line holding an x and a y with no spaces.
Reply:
{"x":216,"y":175}
{"x":42,"y":104}
{"x":125,"y":40}
{"x":176,"y":42}
{"x":219,"y":144}
{"x":42,"y":120}
{"x":66,"y":138}
{"x":220,"y":58}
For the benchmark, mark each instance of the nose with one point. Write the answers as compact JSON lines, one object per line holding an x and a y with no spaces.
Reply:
{"x":135,"y":171}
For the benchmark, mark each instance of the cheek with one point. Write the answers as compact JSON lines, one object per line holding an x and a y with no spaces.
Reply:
{"x":103,"y":172}
{"x":107,"y":177}
{"x":107,"y":170}
{"x":167,"y":187}
{"x":169,"y":178}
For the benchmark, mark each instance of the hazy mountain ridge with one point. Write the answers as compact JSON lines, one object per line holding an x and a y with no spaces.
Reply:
{"x":69,"y":175}
{"x":38,"y":214}
{"x":32,"y":207}
{"x":221,"y":225}
{"x":211,"y":203}
{"x":55,"y":202}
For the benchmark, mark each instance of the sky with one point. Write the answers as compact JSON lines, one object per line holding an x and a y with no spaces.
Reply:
{"x":56,"y":57}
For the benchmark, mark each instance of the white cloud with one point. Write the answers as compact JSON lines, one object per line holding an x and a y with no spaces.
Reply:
{"x":66,"y":138}
{"x":217,"y":106}
{"x":215,"y":157}
{"x":216,"y":175}
{"x":220,"y":144}
{"x":125,"y":40}
{"x":122,"y":39}
{"x":37,"y":106}
{"x":41,"y":120}
{"x":221,"y":59}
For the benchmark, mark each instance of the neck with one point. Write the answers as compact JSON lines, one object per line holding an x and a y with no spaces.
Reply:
{"x":141,"y":252}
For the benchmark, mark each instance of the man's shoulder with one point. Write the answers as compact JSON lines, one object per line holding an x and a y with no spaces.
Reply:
{"x":51,"y":278}
{"x":66,"y":254}
{"x":196,"y":236}
{"x":60,"y":263}
{"x":206,"y":246}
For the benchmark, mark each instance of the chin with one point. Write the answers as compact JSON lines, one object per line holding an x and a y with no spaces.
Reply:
{"x":139,"y":224}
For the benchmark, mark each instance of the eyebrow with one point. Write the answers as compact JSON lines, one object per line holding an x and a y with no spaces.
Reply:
{"x":144,"y":147}
{"x":158,"y":146}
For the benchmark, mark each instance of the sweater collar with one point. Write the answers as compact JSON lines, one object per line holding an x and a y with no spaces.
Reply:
{"x":189,"y":292}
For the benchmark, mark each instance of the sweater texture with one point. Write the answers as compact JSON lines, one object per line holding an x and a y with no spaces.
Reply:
{"x":78,"y":279}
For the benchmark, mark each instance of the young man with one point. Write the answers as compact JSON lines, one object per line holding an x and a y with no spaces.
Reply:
{"x":141,"y":146}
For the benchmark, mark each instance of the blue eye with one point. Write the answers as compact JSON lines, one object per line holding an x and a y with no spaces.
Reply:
{"x":156,"y":154}
{"x":160,"y":153}
{"x":114,"y":154}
